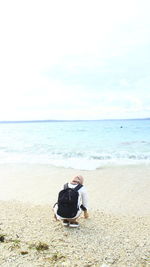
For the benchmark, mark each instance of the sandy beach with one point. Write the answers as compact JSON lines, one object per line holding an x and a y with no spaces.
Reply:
{"x":116,"y":234}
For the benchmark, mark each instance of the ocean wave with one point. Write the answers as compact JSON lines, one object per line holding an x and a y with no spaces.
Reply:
{"x":73,"y":155}
{"x":76,"y":160}
{"x":121,"y":156}
{"x":130,"y":143}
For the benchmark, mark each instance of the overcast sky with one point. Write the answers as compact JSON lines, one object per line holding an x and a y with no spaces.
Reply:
{"x":76,"y":59}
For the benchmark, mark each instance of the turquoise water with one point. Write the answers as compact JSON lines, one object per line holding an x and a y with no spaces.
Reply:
{"x":76,"y":144}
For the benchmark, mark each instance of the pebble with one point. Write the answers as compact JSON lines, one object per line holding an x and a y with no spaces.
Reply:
{"x":98,"y":240}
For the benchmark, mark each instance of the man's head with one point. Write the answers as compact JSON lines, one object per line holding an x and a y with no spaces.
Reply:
{"x":77,"y":180}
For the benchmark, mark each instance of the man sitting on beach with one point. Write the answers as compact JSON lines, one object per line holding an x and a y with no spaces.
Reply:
{"x":66,"y":209}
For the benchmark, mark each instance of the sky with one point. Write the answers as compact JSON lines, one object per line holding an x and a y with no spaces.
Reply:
{"x":74,"y":59}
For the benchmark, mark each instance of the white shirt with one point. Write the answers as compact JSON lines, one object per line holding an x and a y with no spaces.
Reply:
{"x":83,"y":198}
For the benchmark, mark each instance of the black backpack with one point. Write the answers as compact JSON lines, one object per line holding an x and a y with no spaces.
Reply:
{"x":68,"y":201}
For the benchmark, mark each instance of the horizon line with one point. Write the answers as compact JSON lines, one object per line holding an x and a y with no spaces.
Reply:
{"x":68,"y":120}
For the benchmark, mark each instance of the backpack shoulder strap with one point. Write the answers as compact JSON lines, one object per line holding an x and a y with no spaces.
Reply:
{"x":66,"y":186}
{"x":78,"y":187}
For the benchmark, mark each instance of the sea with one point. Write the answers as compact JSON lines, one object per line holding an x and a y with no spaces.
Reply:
{"x":84,"y":145}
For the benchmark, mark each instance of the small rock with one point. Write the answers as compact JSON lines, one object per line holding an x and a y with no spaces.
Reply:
{"x":24,"y":252}
{"x":2,"y":238}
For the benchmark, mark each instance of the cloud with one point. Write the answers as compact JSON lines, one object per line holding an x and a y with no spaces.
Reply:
{"x":66,"y":59}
